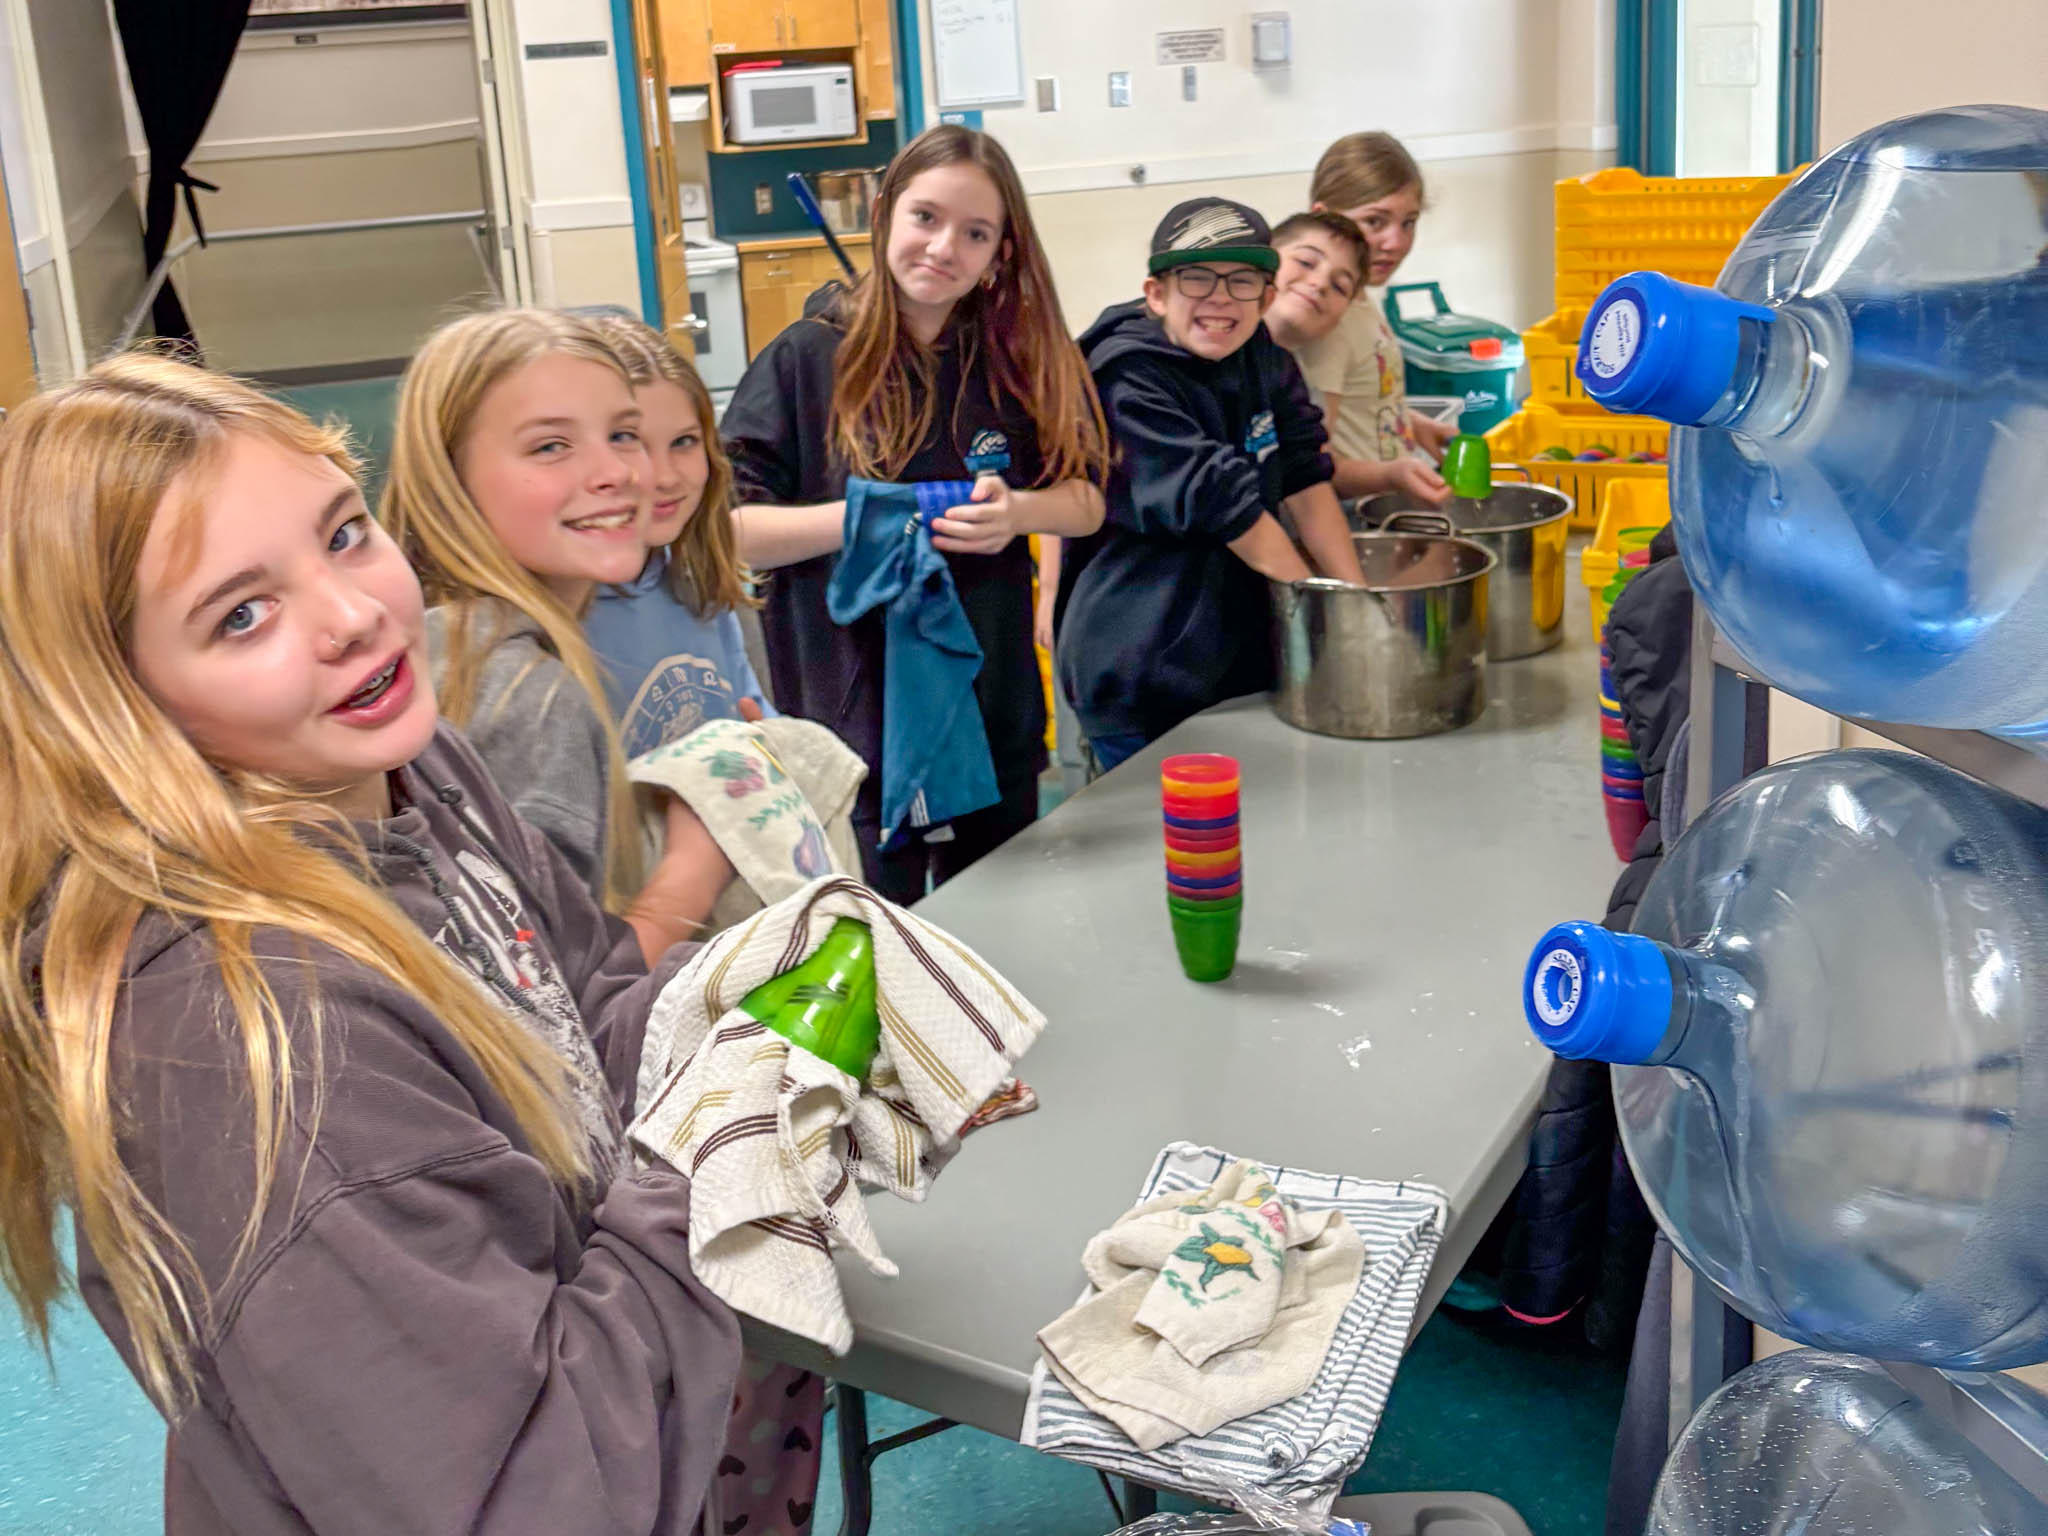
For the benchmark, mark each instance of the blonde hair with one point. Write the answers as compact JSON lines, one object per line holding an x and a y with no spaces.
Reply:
{"x":463,"y":564}
{"x":1362,"y":168}
{"x":704,"y":570}
{"x":128,"y":817}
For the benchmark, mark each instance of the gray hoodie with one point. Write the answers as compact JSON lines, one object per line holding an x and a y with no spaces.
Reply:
{"x":429,"y":1335}
{"x":538,"y":733}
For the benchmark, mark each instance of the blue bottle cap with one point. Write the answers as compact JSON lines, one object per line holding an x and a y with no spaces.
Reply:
{"x":1592,"y":995}
{"x":1654,"y":346}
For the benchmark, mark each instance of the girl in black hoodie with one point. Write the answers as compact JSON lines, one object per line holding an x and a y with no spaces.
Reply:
{"x":950,"y":361}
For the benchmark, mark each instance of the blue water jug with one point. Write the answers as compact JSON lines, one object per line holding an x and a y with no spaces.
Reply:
{"x":1833,"y":1015}
{"x":1813,"y":1444}
{"x":1860,"y":490}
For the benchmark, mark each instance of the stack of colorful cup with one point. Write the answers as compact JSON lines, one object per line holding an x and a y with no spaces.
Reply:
{"x":1198,"y":792}
{"x":1621,"y":776}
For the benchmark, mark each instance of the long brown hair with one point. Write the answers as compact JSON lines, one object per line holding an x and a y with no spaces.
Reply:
{"x":704,"y":569}
{"x":462,"y":563}
{"x":1362,"y":168}
{"x":882,"y":396}
{"x":118,"y":813}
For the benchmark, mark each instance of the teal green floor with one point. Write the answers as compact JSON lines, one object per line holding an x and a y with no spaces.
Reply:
{"x":1526,"y":1417}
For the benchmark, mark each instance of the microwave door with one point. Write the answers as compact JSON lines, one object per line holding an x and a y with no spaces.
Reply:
{"x":784,"y":111}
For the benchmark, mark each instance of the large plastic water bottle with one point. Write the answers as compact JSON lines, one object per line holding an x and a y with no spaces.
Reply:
{"x":1825,"y":1445}
{"x":1836,"y":1001}
{"x":1861,"y":494}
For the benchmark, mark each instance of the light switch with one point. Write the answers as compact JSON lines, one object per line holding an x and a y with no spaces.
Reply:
{"x":1120,"y":88}
{"x":764,"y":198}
{"x":1048,"y":93}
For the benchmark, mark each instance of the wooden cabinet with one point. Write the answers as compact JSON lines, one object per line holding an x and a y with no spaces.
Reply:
{"x":775,"y":279}
{"x":876,"y":63}
{"x":17,"y":356}
{"x":686,"y":41}
{"x":664,"y":203}
{"x":763,"y":26}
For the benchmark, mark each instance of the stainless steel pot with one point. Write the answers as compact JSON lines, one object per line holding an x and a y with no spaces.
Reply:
{"x":847,"y":199}
{"x":1403,"y":655}
{"x":1525,"y":527}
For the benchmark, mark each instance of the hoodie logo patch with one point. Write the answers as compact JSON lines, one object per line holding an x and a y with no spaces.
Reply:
{"x":1259,"y":438}
{"x":988,"y":453}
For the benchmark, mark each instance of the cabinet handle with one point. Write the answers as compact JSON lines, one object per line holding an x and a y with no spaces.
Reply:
{"x":792,"y":26}
{"x":778,"y":26}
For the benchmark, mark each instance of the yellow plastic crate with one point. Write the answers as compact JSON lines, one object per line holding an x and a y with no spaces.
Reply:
{"x":1551,"y":349}
{"x":1641,"y":502}
{"x":1619,"y":220}
{"x":1537,"y":426}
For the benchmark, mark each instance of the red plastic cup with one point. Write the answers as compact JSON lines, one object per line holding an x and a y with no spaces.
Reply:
{"x":1200,"y":808}
{"x":1201,"y":842}
{"x":1199,"y":769}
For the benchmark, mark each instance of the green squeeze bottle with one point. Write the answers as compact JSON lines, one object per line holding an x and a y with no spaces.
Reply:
{"x":827,"y":1004}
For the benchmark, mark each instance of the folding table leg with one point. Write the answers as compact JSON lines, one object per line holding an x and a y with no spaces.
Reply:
{"x":856,"y":1469}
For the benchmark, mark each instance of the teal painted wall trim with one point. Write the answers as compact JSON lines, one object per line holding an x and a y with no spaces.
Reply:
{"x":909,"y":71}
{"x":1798,"y":81}
{"x":625,"y":55}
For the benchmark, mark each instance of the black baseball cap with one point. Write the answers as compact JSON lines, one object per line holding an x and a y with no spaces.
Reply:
{"x":1212,"y":229}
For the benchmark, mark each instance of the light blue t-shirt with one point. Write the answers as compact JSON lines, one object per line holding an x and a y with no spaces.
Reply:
{"x":667,"y":671}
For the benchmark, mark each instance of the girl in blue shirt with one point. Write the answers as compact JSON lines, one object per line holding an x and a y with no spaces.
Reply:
{"x":670,"y":642}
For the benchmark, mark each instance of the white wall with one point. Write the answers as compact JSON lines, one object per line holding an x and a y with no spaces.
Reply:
{"x":1496,"y":98}
{"x":1881,"y":59}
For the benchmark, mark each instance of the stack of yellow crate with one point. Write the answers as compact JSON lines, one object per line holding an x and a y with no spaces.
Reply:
{"x":1609,"y":223}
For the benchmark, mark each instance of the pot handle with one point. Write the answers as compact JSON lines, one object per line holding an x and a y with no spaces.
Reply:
{"x":1419,"y":522}
{"x":1520,"y":469}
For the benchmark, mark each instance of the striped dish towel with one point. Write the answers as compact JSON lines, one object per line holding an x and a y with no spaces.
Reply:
{"x":779,"y":1144}
{"x":1301,"y":1450}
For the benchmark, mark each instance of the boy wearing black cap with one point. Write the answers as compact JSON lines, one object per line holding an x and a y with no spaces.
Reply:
{"x":1166,"y":611}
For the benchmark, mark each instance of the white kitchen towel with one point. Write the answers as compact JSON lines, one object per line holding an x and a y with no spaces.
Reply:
{"x":779,"y":1144}
{"x":777,"y":795}
{"x":1206,"y":1308}
{"x":1302,"y":1449}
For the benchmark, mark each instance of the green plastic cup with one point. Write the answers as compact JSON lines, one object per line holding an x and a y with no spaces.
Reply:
{"x":1205,"y":936}
{"x":827,"y":1004}
{"x":1468,"y":467}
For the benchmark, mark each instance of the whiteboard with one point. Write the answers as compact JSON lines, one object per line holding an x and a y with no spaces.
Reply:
{"x":977,"y":53}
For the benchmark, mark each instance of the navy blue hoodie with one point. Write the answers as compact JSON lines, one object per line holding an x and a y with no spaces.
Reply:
{"x":1158,"y":619}
{"x":778,"y":431}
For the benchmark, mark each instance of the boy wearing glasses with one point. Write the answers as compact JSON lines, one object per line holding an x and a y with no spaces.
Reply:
{"x":1166,"y":611}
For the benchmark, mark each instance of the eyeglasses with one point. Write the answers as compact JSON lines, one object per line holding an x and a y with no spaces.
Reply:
{"x":1200,"y":282}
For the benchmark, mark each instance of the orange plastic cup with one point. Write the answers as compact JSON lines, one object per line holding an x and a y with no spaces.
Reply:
{"x":1203,"y":863}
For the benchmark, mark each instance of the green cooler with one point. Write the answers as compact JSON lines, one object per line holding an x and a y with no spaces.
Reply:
{"x":1458,"y":355}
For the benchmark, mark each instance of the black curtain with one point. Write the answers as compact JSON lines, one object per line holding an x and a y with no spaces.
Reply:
{"x":178,"y":54}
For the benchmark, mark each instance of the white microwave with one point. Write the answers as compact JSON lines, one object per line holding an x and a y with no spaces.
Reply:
{"x":793,"y":101}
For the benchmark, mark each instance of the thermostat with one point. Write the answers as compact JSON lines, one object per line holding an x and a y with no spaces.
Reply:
{"x":1272,"y":40}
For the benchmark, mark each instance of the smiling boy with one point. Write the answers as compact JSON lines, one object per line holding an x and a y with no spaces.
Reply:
{"x":1167,"y":609}
{"x":1324,"y":264}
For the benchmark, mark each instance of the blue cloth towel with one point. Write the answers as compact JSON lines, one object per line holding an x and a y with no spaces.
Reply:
{"x":935,"y":759}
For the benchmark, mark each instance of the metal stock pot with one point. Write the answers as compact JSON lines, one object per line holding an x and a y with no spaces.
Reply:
{"x":1403,"y":655}
{"x":1524,"y":526}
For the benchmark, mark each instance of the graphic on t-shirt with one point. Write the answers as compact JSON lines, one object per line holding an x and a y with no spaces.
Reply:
{"x":681,"y":693}
{"x":488,"y":900}
{"x":1260,"y":438}
{"x":989,"y":452}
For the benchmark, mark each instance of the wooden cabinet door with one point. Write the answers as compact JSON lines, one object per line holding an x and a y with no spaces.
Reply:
{"x":672,"y":275}
{"x":821,"y":23}
{"x":686,"y":41}
{"x":773,"y":284}
{"x":747,"y":26}
{"x":17,"y":357}
{"x":877,"y":58}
